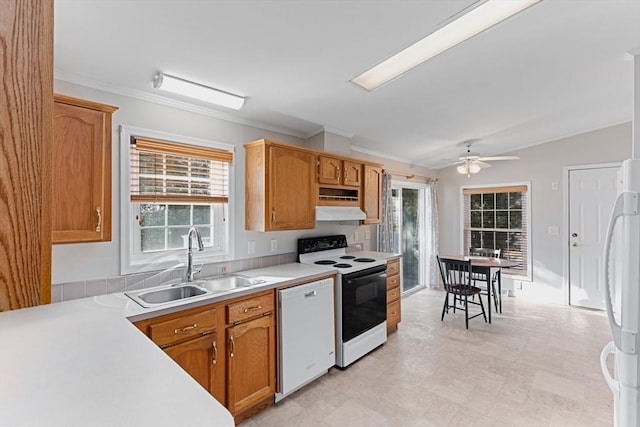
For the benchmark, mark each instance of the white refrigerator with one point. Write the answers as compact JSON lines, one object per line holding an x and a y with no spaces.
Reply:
{"x":621,"y":271}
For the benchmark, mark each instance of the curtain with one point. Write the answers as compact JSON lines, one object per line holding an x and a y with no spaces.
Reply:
{"x":385,"y":229}
{"x":432,"y":233}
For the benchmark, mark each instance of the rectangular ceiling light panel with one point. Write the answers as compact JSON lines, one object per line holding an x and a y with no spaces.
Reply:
{"x":466,"y":26}
{"x":197,"y":91}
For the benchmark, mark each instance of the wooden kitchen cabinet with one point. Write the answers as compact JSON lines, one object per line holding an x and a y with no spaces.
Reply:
{"x":280,"y":187}
{"x":372,"y":188}
{"x":81,"y":175}
{"x":198,"y":357}
{"x":251,"y":355}
{"x":336,"y":171}
{"x":189,"y":337}
{"x":394,"y":292}
{"x":26,"y":37}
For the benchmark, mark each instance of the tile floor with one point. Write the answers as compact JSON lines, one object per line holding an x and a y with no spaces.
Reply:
{"x":536,"y":365}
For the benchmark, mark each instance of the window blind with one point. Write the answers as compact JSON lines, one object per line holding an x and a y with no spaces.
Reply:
{"x":168,"y":172}
{"x":496,"y":218}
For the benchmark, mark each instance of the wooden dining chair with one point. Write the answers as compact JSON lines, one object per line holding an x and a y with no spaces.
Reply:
{"x":481,"y":277}
{"x":456,"y":276}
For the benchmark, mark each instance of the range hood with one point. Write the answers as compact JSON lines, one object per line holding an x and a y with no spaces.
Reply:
{"x":339,"y":213}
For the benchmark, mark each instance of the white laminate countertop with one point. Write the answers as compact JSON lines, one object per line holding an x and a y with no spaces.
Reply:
{"x":83,"y":363}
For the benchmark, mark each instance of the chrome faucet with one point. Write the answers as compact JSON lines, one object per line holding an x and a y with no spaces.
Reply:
{"x":190,"y":272}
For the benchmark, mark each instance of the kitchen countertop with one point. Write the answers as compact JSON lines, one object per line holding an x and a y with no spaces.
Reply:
{"x":83,"y":363}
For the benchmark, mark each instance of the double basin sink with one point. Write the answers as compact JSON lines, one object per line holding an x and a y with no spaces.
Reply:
{"x":168,"y":294}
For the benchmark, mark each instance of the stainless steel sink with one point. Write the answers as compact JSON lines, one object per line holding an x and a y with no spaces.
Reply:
{"x":167,"y":294}
{"x":227,"y":283}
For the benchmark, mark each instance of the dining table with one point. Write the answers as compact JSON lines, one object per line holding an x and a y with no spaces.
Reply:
{"x":484,"y":265}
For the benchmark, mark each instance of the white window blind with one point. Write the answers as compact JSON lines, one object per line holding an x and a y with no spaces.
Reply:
{"x":167,"y":172}
{"x":497,"y":218}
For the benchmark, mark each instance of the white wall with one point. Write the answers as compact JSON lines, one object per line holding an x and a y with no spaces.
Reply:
{"x":80,"y":262}
{"x":541,"y":165}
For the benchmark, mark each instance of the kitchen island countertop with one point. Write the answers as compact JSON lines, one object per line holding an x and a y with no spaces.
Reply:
{"x":83,"y":363}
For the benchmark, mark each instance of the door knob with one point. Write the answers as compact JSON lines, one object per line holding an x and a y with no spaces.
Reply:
{"x":574,"y":244}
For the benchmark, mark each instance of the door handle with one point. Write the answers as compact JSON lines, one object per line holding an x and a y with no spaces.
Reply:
{"x":574,"y":244}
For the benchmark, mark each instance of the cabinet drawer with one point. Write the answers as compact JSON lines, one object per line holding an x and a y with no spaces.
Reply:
{"x":393,"y":281}
{"x":175,"y":330}
{"x":246,"y":309}
{"x":393,"y":267}
{"x":393,"y":295}
{"x":393,"y":312}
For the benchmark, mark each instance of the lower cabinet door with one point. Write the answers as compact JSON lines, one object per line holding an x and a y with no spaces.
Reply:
{"x":251,"y":363}
{"x":198,"y":357}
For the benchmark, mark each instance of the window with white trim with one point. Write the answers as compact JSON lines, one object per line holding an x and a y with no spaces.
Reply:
{"x":497,"y":217}
{"x":173,"y":185}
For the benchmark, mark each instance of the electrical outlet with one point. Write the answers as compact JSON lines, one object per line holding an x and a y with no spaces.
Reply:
{"x":274,"y":245}
{"x":251,"y":247}
{"x":554,"y":185}
{"x":367,"y":235}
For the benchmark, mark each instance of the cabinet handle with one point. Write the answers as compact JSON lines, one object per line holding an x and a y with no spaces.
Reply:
{"x":273,"y":216}
{"x":254,"y":308}
{"x":232,"y":346}
{"x":338,"y":172}
{"x":215,"y":354}
{"x":99,"y":226}
{"x":185,"y":329}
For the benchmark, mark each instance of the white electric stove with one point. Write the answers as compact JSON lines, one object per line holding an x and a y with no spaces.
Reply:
{"x":361,"y":295}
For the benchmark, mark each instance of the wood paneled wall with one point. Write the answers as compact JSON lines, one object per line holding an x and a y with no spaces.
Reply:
{"x":26,"y":106}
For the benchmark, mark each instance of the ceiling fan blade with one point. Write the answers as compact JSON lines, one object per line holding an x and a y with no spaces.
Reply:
{"x":482,"y":164}
{"x":491,"y":159}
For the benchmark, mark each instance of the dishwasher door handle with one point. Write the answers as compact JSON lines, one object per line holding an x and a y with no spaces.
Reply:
{"x":311,"y":294}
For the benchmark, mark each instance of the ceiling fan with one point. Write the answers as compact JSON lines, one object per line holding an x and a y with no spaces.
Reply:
{"x":470,"y":162}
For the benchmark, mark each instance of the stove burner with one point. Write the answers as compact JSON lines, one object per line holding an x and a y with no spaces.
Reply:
{"x":347,"y":257}
{"x":325,"y":262}
{"x":364,"y":260}
{"x":342,"y":265}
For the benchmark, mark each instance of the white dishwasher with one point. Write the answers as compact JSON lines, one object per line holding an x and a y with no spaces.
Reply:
{"x":307,"y":334}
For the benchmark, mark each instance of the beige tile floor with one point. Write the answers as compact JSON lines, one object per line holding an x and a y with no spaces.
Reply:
{"x":535,"y":365}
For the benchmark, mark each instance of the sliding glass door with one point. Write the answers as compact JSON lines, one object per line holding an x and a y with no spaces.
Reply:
{"x":409,"y":232}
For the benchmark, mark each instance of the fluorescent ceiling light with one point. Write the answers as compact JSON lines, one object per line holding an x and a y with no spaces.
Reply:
{"x":464,"y":27}
{"x":197,"y":91}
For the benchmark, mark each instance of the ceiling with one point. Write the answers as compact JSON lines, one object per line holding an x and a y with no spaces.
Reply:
{"x":557,"y":69}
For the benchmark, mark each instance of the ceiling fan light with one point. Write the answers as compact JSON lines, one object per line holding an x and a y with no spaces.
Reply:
{"x":195,"y":90}
{"x":474,"y":168}
{"x":462,"y":169}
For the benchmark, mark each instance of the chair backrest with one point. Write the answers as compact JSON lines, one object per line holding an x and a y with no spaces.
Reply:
{"x":488,"y":252}
{"x":454,"y":272}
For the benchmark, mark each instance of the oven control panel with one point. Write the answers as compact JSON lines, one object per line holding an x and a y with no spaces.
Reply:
{"x":316,"y":244}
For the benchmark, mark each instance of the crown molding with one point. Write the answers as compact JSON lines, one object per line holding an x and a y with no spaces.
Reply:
{"x":383,"y":155}
{"x":169,"y":102}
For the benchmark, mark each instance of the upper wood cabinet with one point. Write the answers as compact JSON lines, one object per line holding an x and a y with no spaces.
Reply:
{"x":81,"y":171}
{"x":371,"y":193}
{"x":335,"y":171}
{"x":280,"y":187}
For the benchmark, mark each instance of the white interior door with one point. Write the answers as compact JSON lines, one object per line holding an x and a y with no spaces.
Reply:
{"x":592,"y":193}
